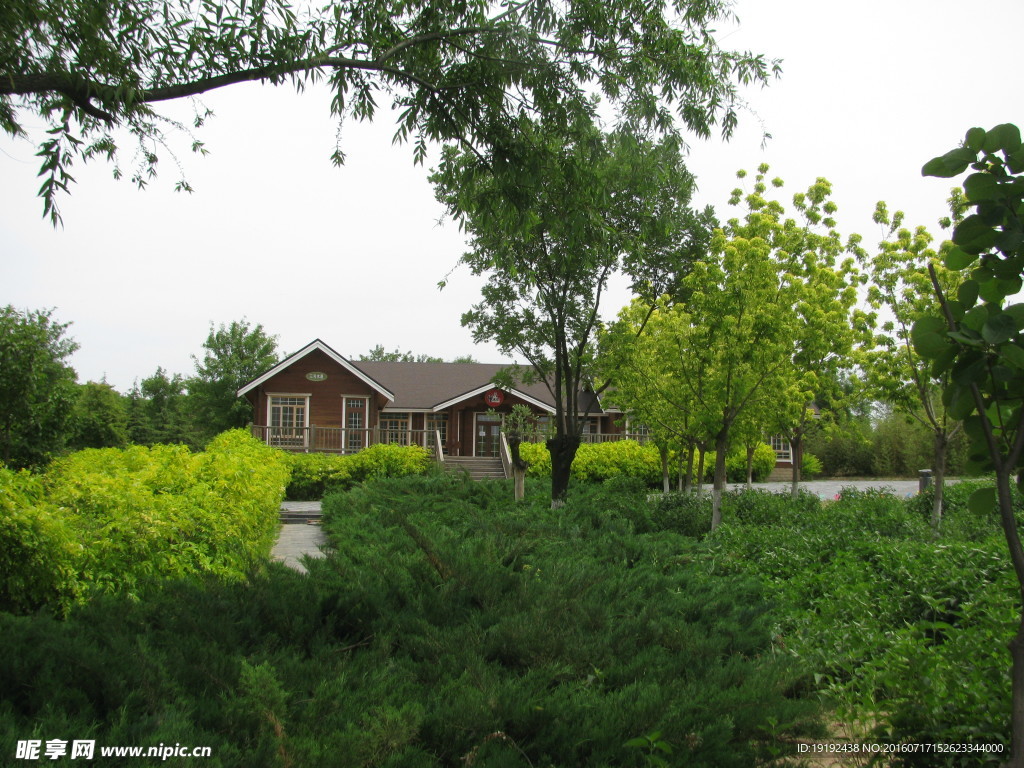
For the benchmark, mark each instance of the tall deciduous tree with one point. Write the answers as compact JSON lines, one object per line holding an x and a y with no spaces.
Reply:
{"x":99,"y":418}
{"x":979,"y":339}
{"x":775,"y":305}
{"x":550,"y":221}
{"x":234,"y":355}
{"x":398,"y":356}
{"x":452,"y":71}
{"x":655,"y":382}
{"x":901,"y":287}
{"x":159,"y":413}
{"x":37,"y":386}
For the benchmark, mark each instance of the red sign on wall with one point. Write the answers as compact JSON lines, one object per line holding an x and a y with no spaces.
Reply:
{"x":494,"y":397}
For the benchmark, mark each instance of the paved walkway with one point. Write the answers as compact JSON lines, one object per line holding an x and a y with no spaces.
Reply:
{"x":298,"y":540}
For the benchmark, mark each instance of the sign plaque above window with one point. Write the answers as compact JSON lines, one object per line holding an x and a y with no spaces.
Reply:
{"x":494,"y":397}
{"x":316,"y":376}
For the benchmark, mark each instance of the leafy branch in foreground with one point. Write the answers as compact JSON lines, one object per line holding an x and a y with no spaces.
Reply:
{"x":453,"y":72}
{"x":978,"y":339}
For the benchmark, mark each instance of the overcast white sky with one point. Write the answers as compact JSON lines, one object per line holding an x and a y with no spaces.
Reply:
{"x":274,"y":233}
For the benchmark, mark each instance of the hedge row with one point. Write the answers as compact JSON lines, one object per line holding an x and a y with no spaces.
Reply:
{"x":313,"y":475}
{"x":117,"y":520}
{"x":602,"y":461}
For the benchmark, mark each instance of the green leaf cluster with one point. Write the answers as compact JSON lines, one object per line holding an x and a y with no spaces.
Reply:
{"x":904,"y":631}
{"x":37,"y":387}
{"x":977,"y":342}
{"x":233,"y":355}
{"x":457,"y":72}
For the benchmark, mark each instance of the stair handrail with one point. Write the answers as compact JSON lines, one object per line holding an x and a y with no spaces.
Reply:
{"x":505,"y":453}
{"x":438,"y":449}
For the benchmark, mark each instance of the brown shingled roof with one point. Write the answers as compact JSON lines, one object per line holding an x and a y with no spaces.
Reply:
{"x":420,"y":386}
{"x":425,"y":386}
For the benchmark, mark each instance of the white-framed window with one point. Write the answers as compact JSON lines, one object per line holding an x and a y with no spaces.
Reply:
{"x":637,"y":431}
{"x":437,"y":422}
{"x":288,"y":419}
{"x":355,"y":419}
{"x":394,"y":428}
{"x":783,"y":450}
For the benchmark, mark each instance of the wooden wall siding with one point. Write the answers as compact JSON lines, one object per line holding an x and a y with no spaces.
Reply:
{"x":326,"y":401}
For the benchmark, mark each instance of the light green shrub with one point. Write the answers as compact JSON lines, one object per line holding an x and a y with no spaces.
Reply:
{"x":538,"y":457}
{"x":119,"y":520}
{"x":384,"y":460}
{"x":810,"y":466}
{"x":600,"y":461}
{"x":314,"y":475}
{"x":39,"y":552}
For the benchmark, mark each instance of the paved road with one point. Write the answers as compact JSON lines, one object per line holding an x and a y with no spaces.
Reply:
{"x":298,"y":540}
{"x":827,"y":489}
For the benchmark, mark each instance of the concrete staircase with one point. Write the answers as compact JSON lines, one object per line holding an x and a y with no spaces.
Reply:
{"x":478,"y":468}
{"x":300,"y":512}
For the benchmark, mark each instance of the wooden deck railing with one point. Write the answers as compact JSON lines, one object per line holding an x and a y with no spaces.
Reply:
{"x":597,"y":437}
{"x":314,"y":439}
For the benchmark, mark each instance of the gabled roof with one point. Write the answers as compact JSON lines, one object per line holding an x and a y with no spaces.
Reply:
{"x":436,"y":386}
{"x":427,"y":386}
{"x":316,"y":344}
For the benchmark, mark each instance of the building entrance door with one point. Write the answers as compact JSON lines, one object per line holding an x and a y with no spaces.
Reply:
{"x":488,"y":434}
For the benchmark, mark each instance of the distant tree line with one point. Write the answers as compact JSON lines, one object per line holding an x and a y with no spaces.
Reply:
{"x":45,"y":411}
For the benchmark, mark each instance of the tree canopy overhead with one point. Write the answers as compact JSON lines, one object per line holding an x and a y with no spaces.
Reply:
{"x":452,"y":70}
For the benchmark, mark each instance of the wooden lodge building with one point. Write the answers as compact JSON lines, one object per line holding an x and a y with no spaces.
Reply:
{"x":317,"y":400}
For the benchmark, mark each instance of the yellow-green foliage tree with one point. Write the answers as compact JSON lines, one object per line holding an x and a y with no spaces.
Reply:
{"x":769,"y":307}
{"x":901,"y":288}
{"x":645,"y":388}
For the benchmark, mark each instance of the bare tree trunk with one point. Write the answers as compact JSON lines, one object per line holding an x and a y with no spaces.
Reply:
{"x":939,"y":478}
{"x":519,"y":467}
{"x":1016,"y":645}
{"x":700,"y":473}
{"x":721,"y":444}
{"x":665,"y":486}
{"x":797,"y":445}
{"x":688,"y":485}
